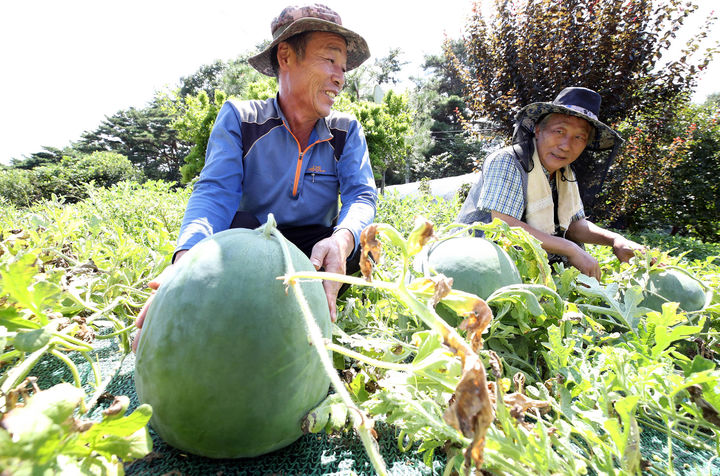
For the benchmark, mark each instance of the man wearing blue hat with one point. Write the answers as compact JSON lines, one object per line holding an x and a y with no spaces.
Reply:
{"x":531,"y":184}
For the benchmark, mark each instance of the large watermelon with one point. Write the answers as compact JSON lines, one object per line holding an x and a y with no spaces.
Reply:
{"x":477,"y":266}
{"x":673,"y":286}
{"x":224,"y":357}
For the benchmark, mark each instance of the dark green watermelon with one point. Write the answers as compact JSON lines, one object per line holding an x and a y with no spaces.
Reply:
{"x":224,"y":357}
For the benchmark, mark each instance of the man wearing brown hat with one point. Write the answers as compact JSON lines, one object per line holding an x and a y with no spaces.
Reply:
{"x":291,"y":155}
{"x":531,"y":184}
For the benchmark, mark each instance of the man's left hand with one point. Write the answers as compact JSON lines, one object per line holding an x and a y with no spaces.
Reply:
{"x":331,"y":255}
{"x":625,"y":249}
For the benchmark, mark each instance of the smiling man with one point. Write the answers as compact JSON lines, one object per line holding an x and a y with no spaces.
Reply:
{"x":531,"y":184}
{"x":291,"y":155}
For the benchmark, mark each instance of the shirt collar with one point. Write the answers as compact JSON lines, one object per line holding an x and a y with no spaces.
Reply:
{"x":321,"y":131}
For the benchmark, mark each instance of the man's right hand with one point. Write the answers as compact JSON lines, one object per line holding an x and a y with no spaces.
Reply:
{"x":154,"y":284}
{"x":584,"y":261}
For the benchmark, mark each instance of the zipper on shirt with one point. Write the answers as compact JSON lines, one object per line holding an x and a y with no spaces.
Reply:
{"x":298,"y":166}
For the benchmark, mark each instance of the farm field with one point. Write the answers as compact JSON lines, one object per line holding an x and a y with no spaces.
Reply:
{"x":583,"y":377}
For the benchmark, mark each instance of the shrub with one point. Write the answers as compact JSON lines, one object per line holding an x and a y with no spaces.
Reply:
{"x":666,"y":176}
{"x":16,"y":187}
{"x":67,"y":180}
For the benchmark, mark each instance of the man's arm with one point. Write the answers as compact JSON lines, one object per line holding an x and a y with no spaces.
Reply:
{"x":578,"y":257}
{"x":357,"y":185}
{"x":216,"y":195}
{"x":584,"y":231}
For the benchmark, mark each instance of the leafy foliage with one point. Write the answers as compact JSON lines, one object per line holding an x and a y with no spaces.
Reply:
{"x":529,"y":51}
{"x":43,"y":437}
{"x":386,"y":128}
{"x":70,"y":276}
{"x":579,"y":367}
{"x":67,"y":179}
{"x":666,"y":177}
{"x":194,"y":124}
{"x":145,"y":136}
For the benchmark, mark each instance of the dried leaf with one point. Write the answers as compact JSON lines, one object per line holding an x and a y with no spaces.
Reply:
{"x":370,"y":250}
{"x":519,"y":381}
{"x":496,"y":365}
{"x":443,"y":286}
{"x":477,"y":322}
{"x":117,"y":407}
{"x":519,"y":404}
{"x":470,"y":411}
{"x":421,"y":234}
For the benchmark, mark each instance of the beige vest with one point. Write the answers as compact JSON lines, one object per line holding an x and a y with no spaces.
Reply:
{"x":539,"y":212}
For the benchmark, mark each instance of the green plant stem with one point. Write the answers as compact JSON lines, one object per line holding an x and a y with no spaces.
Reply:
{"x":362,"y":423}
{"x":368,"y":360}
{"x":17,"y":373}
{"x":116,"y":333}
{"x":70,"y":365}
{"x":100,"y":389}
{"x":677,"y":436}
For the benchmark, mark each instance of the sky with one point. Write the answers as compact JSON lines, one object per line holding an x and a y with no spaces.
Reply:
{"x":69,"y":64}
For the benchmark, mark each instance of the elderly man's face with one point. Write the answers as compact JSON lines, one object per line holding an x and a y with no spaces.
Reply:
{"x":319,"y":76}
{"x":560,"y":140}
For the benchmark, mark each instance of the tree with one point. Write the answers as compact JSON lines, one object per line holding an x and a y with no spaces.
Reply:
{"x":528,"y":51}
{"x":680,"y":189}
{"x":444,"y":78}
{"x":195,"y":126}
{"x":442,"y":147}
{"x":47,"y":156}
{"x":232,"y":77}
{"x":531,"y":50}
{"x":386,"y":68}
{"x":386,"y":127}
{"x":145,"y":136}
{"x":357,"y":84}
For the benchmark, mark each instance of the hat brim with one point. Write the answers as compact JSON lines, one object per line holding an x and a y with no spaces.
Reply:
{"x":605,"y":137}
{"x":357,"y":48}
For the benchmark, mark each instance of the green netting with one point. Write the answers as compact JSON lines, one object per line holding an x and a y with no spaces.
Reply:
{"x":314,"y":454}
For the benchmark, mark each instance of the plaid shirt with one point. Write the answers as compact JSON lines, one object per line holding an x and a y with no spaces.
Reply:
{"x":502,"y":189}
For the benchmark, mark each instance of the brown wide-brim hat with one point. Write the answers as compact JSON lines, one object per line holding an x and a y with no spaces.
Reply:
{"x":293,"y":20}
{"x":574,"y":101}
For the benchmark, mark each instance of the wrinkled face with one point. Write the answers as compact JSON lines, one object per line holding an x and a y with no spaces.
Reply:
{"x":560,"y":140}
{"x":318,"y":77}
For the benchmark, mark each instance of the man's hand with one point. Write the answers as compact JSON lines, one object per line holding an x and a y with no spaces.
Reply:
{"x":154,"y":285}
{"x":584,"y":261}
{"x":331,"y":255}
{"x":625,"y":249}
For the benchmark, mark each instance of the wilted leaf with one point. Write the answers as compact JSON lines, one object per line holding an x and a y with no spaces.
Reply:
{"x":421,"y":234}
{"x":371,"y":251}
{"x":470,"y":411}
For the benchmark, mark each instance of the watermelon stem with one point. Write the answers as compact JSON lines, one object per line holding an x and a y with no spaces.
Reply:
{"x":363,"y":423}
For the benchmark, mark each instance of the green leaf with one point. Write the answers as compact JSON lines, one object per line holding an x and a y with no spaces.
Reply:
{"x":58,"y":402}
{"x":122,"y":427}
{"x":32,"y":340}
{"x":699,"y":364}
{"x":126,"y":448}
{"x":11,"y":318}
{"x":665,"y":335}
{"x":357,"y":387}
{"x":18,"y":281}
{"x":626,"y":313}
{"x":38,"y":428}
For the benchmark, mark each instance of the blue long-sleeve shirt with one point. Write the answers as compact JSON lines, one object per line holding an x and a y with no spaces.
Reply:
{"x":255,"y":164}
